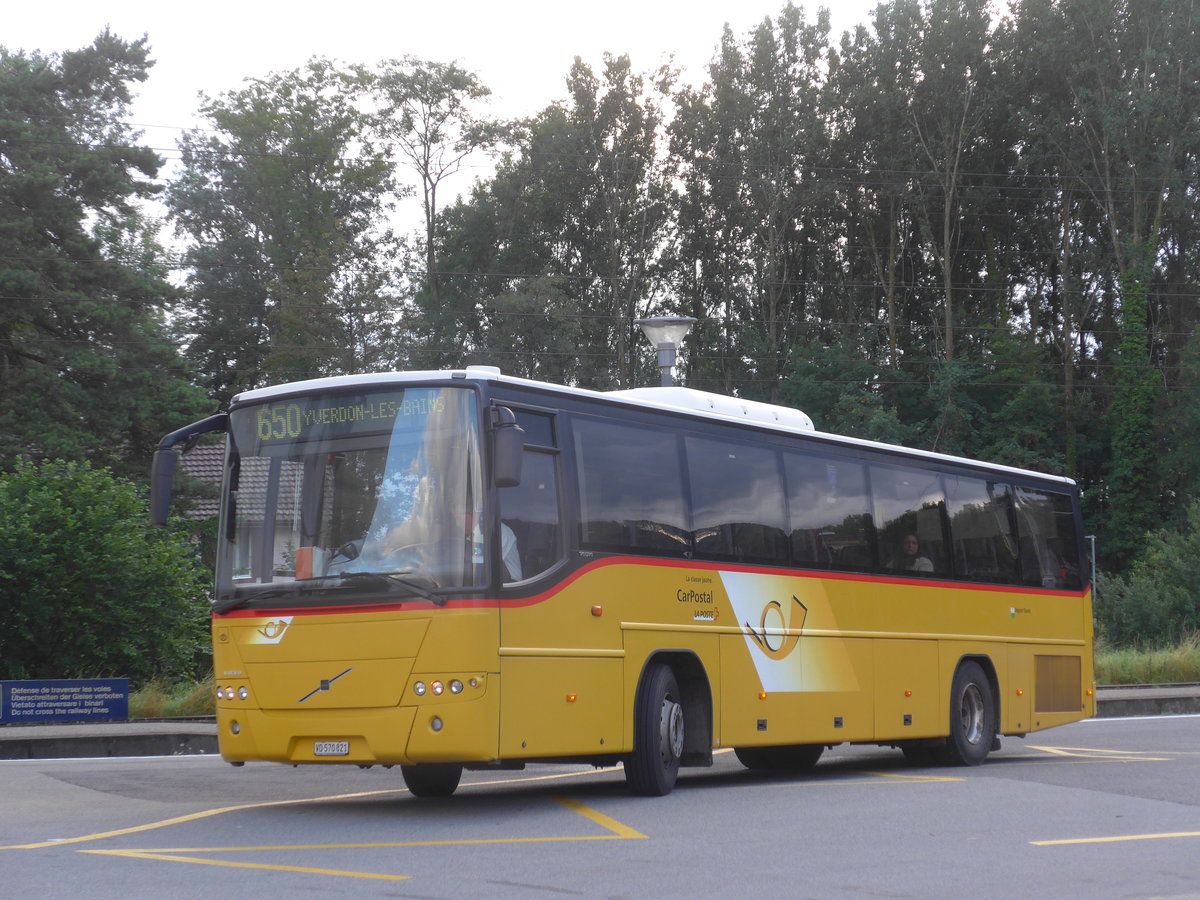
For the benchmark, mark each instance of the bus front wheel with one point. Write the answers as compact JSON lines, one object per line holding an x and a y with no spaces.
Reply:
{"x":972,"y":717}
{"x":653,"y":766}
{"x":432,"y":779}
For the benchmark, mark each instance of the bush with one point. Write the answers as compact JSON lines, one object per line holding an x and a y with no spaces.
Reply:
{"x":1163,"y":665}
{"x":1158,"y":601}
{"x":87,"y":587}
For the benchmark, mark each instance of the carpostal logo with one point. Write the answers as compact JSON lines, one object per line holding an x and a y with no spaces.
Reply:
{"x":777,"y":620}
{"x":271,"y":631}
{"x":771,"y":619}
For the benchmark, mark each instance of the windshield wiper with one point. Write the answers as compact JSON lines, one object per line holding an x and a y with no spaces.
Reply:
{"x":389,"y":580}
{"x":380,"y":579}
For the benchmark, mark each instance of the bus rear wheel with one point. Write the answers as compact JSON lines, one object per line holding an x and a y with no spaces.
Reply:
{"x":652,"y":768}
{"x":793,"y":758}
{"x":432,"y":779}
{"x":972,"y":717}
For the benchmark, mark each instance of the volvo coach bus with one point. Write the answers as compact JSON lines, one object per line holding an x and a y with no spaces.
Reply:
{"x":461,"y":569}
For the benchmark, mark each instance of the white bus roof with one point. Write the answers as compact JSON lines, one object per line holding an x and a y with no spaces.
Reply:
{"x":700,"y":404}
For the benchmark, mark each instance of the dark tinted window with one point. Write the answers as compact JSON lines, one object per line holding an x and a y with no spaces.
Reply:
{"x":737,"y":501}
{"x":529,"y":512}
{"x":1046,"y":528}
{"x":981,"y":529}
{"x":538,"y":428}
{"x":829,"y":512}
{"x":630,"y":488}
{"x":909,"y":509}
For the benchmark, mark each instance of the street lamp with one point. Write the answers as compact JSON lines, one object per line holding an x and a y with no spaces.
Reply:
{"x":666,"y":333}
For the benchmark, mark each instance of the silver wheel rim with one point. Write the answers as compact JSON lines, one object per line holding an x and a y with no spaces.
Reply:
{"x":971,"y":713}
{"x":670,"y":736}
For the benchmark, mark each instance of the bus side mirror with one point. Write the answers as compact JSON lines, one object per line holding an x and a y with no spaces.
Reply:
{"x":162,"y":471}
{"x":162,"y":475}
{"x":508,"y":444}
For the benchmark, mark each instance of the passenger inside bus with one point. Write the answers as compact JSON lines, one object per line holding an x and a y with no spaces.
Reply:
{"x":910,"y":556}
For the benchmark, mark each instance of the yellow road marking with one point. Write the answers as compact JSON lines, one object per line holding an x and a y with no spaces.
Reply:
{"x":306,"y":870}
{"x":916,"y":779}
{"x":1092,"y":753}
{"x":617,"y":828}
{"x":617,"y":831}
{"x":1118,"y":838}
{"x":193,"y":817}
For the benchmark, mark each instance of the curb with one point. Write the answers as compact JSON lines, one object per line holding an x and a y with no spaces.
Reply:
{"x":1148,"y":700}
{"x":108,"y":739}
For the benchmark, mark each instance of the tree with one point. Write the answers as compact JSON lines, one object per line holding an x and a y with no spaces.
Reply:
{"x":283,"y":200}
{"x":86,"y":588}
{"x":578,"y":214}
{"x":1117,"y":93}
{"x":87,"y":367}
{"x":426,"y":112}
{"x":1155,"y":602}
{"x":753,"y":225}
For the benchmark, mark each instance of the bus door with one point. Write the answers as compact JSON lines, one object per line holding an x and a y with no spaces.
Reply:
{"x":559,"y":677}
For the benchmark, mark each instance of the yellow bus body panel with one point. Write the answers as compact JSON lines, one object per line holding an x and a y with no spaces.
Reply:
{"x":786,"y":658}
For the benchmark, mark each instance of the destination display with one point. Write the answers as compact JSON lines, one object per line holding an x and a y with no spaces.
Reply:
{"x":306,"y":418}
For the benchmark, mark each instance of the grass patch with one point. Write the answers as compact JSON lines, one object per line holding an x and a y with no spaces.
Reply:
{"x":1162,"y":665}
{"x":161,"y":699}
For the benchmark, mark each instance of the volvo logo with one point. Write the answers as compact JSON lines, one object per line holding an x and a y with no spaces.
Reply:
{"x":323,"y":686}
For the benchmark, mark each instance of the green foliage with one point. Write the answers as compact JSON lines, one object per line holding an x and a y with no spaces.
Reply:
{"x":282,"y":199}
{"x":87,"y":588}
{"x":87,"y":369}
{"x":1158,"y":601}
{"x":160,"y":698}
{"x":1174,"y":664}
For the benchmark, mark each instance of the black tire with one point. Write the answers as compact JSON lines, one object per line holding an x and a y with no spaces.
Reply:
{"x":972,"y":717}
{"x":432,"y":779}
{"x":792,"y":758}
{"x":658,"y":734}
{"x":921,"y":754}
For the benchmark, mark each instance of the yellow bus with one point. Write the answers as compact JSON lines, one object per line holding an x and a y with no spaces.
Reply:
{"x":461,"y":569}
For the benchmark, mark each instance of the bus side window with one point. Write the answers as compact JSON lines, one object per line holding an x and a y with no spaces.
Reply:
{"x":1046,"y":527}
{"x":829,"y":512}
{"x":985,"y":547}
{"x":909,"y":510}
{"x":737,"y":502}
{"x":631,"y":497}
{"x":530,"y":512}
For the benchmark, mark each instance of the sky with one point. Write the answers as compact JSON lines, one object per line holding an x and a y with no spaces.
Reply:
{"x":521,"y":49}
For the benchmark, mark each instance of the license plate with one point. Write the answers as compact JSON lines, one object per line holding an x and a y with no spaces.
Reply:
{"x":331,"y":748}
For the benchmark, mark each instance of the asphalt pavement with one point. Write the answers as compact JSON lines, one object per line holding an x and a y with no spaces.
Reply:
{"x":172,"y":737}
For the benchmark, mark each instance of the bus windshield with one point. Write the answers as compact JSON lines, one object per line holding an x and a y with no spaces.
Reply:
{"x":378,"y":490}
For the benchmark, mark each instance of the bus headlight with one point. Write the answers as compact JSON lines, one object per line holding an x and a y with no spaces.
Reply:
{"x":419,"y":689}
{"x":437,"y":687}
{"x":456,"y":686}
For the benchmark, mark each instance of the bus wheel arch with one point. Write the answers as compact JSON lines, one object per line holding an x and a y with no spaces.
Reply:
{"x":672,"y":722}
{"x":974,"y":712}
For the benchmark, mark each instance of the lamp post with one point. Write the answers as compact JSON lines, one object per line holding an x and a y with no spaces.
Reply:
{"x":666,"y":333}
